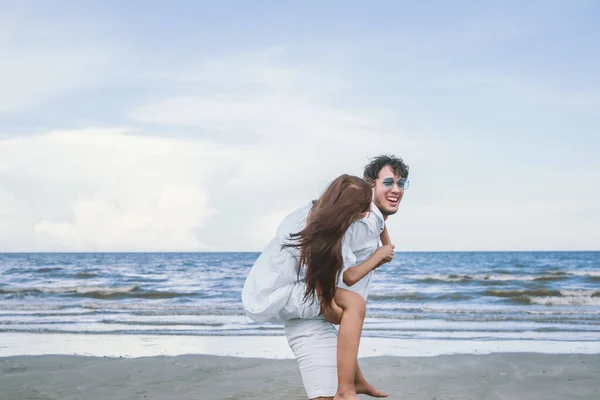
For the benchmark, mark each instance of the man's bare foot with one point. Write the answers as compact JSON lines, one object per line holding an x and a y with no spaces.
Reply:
{"x":364,"y":387}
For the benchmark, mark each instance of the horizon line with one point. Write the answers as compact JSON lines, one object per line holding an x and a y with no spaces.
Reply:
{"x":260,"y":251}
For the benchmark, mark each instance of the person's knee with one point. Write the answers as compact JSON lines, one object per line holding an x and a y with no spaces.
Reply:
{"x":358,"y":307}
{"x":361,"y":309}
{"x":351,"y":302}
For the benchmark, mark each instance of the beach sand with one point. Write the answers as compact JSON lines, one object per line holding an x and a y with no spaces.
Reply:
{"x":518,"y":376}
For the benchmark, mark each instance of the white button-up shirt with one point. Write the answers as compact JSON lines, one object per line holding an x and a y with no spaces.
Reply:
{"x":272,"y":291}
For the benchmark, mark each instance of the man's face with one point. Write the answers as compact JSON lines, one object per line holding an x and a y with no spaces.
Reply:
{"x":386,"y":193}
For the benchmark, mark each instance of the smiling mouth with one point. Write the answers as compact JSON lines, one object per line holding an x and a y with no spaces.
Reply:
{"x":393,"y":200}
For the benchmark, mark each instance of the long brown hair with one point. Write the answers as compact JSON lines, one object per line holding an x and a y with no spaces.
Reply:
{"x":320,"y":242}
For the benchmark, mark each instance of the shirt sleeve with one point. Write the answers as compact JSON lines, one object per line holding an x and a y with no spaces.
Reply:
{"x":348,"y":257}
{"x":272,"y":291}
{"x":349,"y":260}
{"x":264,"y":293}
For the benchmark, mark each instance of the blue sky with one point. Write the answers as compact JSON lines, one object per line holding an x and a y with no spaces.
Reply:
{"x":198,"y":125}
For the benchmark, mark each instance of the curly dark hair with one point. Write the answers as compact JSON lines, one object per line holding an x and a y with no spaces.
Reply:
{"x":372,"y":169}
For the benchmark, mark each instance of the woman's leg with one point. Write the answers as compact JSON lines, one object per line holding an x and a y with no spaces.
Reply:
{"x":333,"y":314}
{"x":348,"y":340}
{"x":364,"y":387}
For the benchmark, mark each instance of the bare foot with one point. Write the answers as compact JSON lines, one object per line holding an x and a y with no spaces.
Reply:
{"x":364,"y":387}
{"x":345,"y":396}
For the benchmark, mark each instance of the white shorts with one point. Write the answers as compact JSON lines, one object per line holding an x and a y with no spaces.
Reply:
{"x":314,"y":343}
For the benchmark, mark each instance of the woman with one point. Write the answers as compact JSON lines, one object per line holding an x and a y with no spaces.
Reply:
{"x":327,"y":260}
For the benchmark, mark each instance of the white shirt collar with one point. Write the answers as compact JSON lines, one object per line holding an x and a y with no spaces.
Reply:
{"x":375,"y":210}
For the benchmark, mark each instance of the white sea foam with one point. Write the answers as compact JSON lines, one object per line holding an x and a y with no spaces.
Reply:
{"x":584,"y":273}
{"x":104,"y":290}
{"x":274,"y":347}
{"x":478,"y":277}
{"x":566,"y":301}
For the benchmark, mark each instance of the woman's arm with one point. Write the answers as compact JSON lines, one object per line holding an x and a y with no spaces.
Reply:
{"x":382,"y":255}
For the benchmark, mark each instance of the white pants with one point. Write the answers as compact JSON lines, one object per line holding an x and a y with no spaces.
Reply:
{"x":314,"y":343}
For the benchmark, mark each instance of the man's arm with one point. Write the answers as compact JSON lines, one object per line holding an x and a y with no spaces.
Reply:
{"x":385,"y":237}
{"x":385,"y":240}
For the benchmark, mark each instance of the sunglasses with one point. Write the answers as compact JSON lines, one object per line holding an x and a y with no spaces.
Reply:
{"x":403,"y":183}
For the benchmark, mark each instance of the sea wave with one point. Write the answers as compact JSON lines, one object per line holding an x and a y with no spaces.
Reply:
{"x":590,"y":274}
{"x":169,"y":309}
{"x":521,"y":293}
{"x":566,"y":301}
{"x":47,"y":269}
{"x":416,"y":296}
{"x":483,"y":277}
{"x":103,"y":292}
{"x":544,"y":293}
{"x":593,"y":273}
{"x":161,"y":323}
{"x":580,"y":297}
{"x":30,"y":307}
{"x":85,"y":275}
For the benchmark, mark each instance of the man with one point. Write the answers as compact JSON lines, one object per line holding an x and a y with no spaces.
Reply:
{"x":272,"y":291}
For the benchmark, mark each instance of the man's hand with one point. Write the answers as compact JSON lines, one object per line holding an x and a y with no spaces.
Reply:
{"x":386,"y":253}
{"x":333,"y":313}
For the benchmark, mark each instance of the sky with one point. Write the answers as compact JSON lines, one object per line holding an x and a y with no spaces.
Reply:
{"x":197,"y":126}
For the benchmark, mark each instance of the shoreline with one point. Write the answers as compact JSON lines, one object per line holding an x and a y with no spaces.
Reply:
{"x":264,"y":347}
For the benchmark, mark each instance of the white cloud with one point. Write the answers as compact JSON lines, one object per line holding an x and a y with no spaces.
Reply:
{"x":124,"y":192}
{"x":8,"y":203}
{"x":167,"y":222}
{"x":266,"y":226}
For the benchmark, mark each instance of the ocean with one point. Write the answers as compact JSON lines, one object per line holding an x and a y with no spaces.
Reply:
{"x":456,"y":295}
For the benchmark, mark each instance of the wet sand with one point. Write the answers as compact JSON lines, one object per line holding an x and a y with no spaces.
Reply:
{"x":515,"y":376}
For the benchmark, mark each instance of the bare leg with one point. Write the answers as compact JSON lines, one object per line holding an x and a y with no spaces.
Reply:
{"x":361,"y":384}
{"x":348,"y":340}
{"x":364,"y":387}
